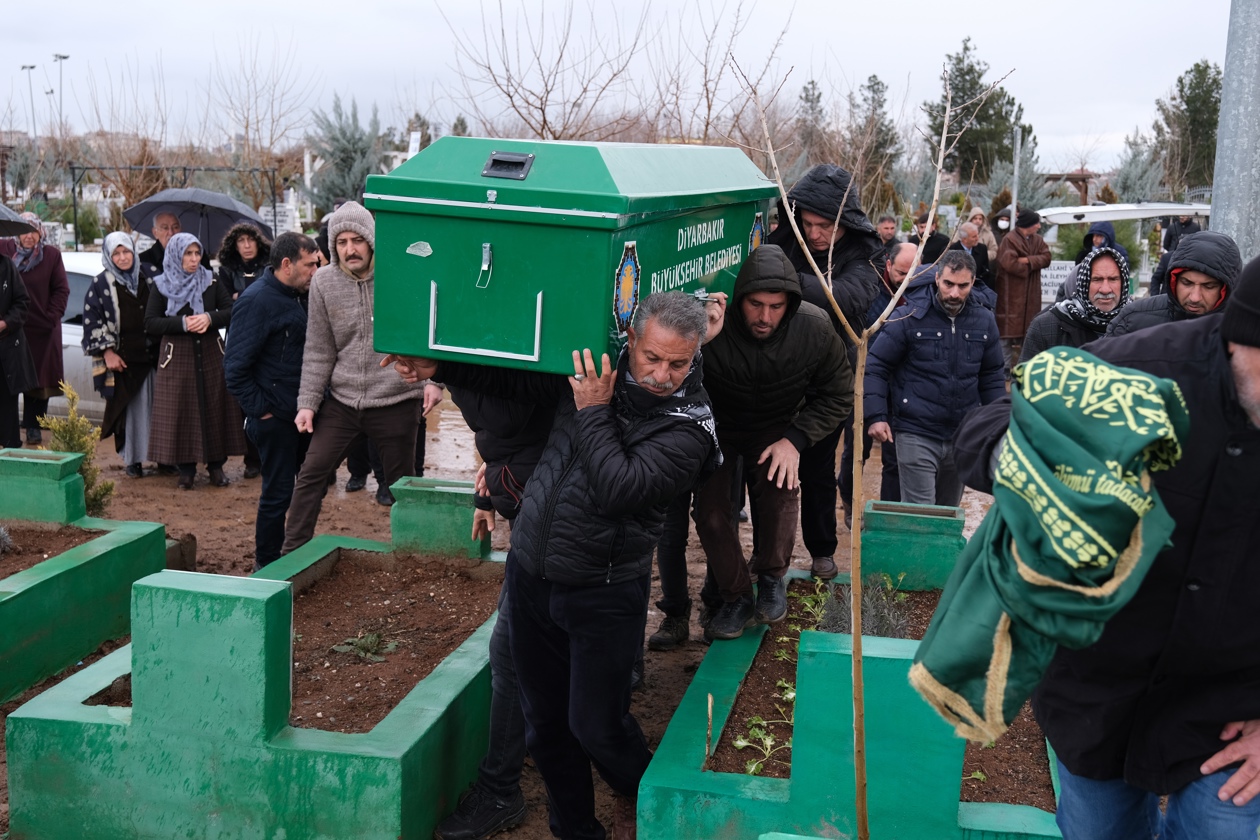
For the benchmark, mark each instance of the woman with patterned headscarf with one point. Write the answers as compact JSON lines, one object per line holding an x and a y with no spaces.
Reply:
{"x":195,"y":419}
{"x":48,"y":290}
{"x":123,"y":354}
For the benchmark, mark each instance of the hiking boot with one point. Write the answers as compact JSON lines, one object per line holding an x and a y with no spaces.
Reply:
{"x":731,"y":619}
{"x":674,"y":630}
{"x":771,"y":599}
{"x":480,"y":815}
{"x":356,"y":483}
{"x":823,"y":568}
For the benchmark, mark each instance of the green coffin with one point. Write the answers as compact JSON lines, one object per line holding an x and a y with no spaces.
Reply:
{"x":516,"y":253}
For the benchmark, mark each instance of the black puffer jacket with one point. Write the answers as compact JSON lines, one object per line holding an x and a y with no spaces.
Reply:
{"x":854,"y":275}
{"x":1212,"y":253}
{"x":1147,"y":701}
{"x":797,"y":383}
{"x":16,"y":365}
{"x":510,"y":437}
{"x":595,"y":506}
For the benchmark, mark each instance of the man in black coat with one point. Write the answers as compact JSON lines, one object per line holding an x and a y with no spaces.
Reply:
{"x":969,"y":241}
{"x":262,"y":365}
{"x":936,"y":242}
{"x":780,"y":380}
{"x":625,"y":441}
{"x":841,"y":241}
{"x":17,"y":368}
{"x":1167,"y":701}
{"x":1101,"y":289}
{"x":1201,"y":273}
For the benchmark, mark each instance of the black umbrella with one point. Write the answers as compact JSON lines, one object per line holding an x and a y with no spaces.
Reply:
{"x":205,"y":213}
{"x":11,"y":224}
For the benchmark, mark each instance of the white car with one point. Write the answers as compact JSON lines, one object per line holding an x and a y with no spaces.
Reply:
{"x":81,"y":268}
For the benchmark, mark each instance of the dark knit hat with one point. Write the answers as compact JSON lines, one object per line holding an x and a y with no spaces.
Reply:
{"x":1241,"y":321}
{"x":1027,"y":219}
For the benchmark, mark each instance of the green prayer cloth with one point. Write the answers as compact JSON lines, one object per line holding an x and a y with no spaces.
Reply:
{"x":1074,"y":527}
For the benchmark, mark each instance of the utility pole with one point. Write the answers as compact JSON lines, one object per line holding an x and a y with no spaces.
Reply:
{"x":31,"y":88}
{"x":1015,"y":183}
{"x":1236,"y":183}
{"x":59,"y":58}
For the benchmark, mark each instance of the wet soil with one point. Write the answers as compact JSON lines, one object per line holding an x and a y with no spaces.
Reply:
{"x":32,"y":545}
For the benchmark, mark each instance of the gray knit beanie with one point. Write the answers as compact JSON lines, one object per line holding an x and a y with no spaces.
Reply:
{"x":354,"y":217}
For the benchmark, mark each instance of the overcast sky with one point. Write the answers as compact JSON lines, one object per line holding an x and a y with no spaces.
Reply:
{"x":1087,"y":73}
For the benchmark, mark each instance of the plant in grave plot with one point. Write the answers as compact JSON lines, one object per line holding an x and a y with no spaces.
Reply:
{"x":75,"y":433}
{"x":760,"y":737}
{"x":884,"y":611}
{"x":369,"y":646}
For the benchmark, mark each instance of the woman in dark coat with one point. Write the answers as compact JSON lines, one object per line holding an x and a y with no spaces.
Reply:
{"x":123,"y":354}
{"x":17,"y":370}
{"x":48,"y":290}
{"x":242,"y":258}
{"x":195,"y":419}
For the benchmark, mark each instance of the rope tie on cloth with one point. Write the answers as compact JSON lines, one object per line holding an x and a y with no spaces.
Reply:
{"x":1074,"y":527}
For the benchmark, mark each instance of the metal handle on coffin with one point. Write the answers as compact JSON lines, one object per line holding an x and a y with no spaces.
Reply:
{"x":480,"y":351}
{"x":487,"y":266}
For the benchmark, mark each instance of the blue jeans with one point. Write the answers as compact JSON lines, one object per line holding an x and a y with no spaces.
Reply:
{"x":928,"y":474}
{"x":1115,"y":810}
{"x":281,"y":450}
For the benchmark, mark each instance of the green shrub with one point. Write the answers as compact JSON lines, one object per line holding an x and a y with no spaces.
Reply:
{"x":75,"y":433}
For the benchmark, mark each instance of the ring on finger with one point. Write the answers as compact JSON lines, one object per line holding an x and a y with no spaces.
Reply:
{"x":579,"y":376}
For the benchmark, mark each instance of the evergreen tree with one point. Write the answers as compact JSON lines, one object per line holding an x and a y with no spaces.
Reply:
{"x":987,"y":137}
{"x":459,"y":128}
{"x":1140,"y":171}
{"x":1185,"y":129}
{"x":873,"y":144}
{"x":348,"y":152}
{"x":811,"y":130}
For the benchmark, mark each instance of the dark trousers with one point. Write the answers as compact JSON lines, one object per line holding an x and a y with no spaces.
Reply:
{"x":773,"y":509}
{"x":10,"y":428}
{"x":889,"y":480}
{"x":281,"y":450}
{"x":365,"y":457}
{"x":500,"y":771}
{"x":337,"y":428}
{"x":574,"y":647}
{"x":818,"y":496}
{"x":32,"y":409}
{"x":671,"y":558}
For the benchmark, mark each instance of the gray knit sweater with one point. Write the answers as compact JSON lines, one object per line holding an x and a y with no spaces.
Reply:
{"x":339,"y":352}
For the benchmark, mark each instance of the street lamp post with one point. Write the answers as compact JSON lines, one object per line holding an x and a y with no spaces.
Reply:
{"x":31,"y":87}
{"x":59,"y":58}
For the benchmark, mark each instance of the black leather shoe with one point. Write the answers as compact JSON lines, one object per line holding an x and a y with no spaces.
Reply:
{"x":34,"y":436}
{"x":356,"y":483}
{"x":252,"y":471}
{"x":135,"y":470}
{"x":217,"y":478}
{"x":480,"y":815}
{"x":185,"y":482}
{"x":384,"y":497}
{"x":771,"y":599}
{"x":731,"y":619}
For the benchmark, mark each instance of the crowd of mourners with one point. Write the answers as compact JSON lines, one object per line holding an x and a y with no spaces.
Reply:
{"x":716,"y":411}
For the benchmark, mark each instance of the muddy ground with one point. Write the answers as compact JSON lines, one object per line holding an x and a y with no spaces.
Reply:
{"x":222,"y":522}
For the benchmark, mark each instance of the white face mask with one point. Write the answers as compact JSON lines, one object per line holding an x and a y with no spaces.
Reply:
{"x":1003,"y":224}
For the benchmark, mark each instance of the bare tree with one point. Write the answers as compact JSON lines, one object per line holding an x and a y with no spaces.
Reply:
{"x":945,"y":146}
{"x":537,"y":76}
{"x":261,"y":106}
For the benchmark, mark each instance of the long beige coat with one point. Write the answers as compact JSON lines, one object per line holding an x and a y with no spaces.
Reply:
{"x":1019,"y":285}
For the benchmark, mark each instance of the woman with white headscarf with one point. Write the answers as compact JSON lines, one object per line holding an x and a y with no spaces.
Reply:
{"x":195,"y":419}
{"x":123,"y":354}
{"x":44,"y":276}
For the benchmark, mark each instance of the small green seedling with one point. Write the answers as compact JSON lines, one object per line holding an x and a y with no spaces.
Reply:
{"x":369,"y":646}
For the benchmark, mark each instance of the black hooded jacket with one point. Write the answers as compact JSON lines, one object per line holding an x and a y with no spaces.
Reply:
{"x":595,"y":505}
{"x":795,"y":384}
{"x":1210,"y":252}
{"x":510,"y":438}
{"x":854,"y":257}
